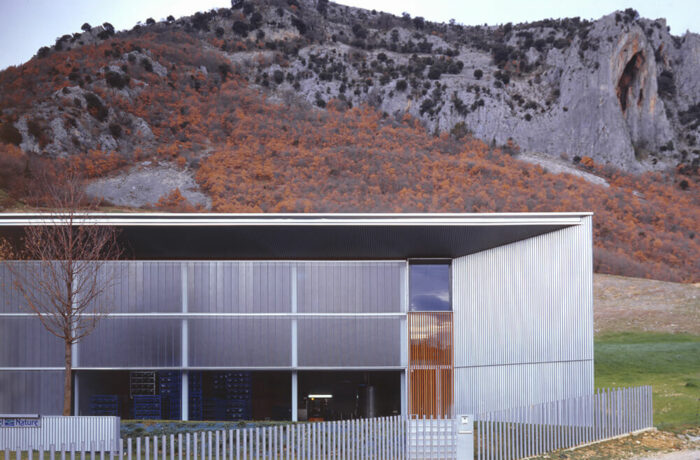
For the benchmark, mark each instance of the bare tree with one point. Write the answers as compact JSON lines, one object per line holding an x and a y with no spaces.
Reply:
{"x":62,"y":275}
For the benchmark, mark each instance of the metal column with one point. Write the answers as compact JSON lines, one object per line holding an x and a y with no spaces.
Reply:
{"x":403,"y":338}
{"x":184,"y":381}
{"x":295,"y":360}
{"x":76,"y":408}
{"x":74,"y":361}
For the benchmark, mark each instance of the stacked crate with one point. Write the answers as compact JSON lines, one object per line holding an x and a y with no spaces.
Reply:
{"x":142,"y":389}
{"x":104,"y":405}
{"x":142,"y":383}
{"x":195,"y":395}
{"x":169,"y":386}
{"x":147,"y":407}
{"x":231,"y":397}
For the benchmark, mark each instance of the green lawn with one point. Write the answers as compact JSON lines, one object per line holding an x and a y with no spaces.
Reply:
{"x":670,"y":363}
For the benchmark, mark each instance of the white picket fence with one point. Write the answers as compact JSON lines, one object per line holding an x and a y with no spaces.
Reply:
{"x":376,"y":438}
{"x":507,"y":434}
{"x":533,"y":430}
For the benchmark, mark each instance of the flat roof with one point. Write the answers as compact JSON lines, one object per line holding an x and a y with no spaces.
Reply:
{"x":308,"y":236}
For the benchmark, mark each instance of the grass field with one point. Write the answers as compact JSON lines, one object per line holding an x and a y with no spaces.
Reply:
{"x":668,"y":362}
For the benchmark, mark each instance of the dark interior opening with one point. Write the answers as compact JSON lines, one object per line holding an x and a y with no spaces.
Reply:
{"x":212,"y":395}
{"x":332,"y":395}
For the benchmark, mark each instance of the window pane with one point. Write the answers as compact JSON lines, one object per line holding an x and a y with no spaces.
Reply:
{"x":349,"y":287}
{"x":349,"y":341}
{"x":430,"y":287}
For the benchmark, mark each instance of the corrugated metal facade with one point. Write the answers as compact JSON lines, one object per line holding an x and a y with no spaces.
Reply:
{"x":523,"y":317}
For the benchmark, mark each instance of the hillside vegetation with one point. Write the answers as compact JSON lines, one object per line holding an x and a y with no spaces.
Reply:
{"x":225,"y":110}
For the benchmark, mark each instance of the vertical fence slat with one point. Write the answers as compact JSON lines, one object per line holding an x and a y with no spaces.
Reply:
{"x":516,"y":432}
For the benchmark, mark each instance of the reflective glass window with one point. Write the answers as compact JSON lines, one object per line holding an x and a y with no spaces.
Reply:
{"x":429,"y":286}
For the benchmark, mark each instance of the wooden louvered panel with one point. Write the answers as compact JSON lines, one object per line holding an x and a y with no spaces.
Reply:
{"x":430,"y":364}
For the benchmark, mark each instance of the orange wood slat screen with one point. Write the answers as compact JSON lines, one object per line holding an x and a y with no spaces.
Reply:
{"x":430,"y":364}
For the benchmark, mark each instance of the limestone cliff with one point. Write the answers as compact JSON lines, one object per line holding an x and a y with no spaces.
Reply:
{"x":621,"y":90}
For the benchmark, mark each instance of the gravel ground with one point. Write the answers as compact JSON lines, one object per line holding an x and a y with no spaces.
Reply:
{"x":682,"y":455}
{"x":653,"y":444}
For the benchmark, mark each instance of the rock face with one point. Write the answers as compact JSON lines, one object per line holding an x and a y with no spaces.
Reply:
{"x":144,"y":184}
{"x":613,"y":89}
{"x":620,"y":90}
{"x":610,"y":110}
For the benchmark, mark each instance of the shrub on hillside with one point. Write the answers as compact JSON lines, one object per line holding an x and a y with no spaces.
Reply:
{"x":95,"y":107}
{"x":9,"y":134}
{"x":256,"y":20}
{"x":240,"y":28}
{"x":116,"y":79}
{"x":13,"y":163}
{"x":300,"y":25}
{"x":115,"y":130}
{"x":359,"y":31}
{"x":147,"y":64}
{"x":43,"y":52}
{"x":434,"y":73}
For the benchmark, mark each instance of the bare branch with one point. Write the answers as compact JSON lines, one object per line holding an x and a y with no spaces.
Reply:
{"x":63,"y":274}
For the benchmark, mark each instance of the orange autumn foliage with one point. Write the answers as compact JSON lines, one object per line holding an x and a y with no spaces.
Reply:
{"x":175,"y":202}
{"x":258,"y":156}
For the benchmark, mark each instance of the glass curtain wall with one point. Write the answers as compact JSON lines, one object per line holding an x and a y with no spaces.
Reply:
{"x":243,"y":316}
{"x":430,"y":360}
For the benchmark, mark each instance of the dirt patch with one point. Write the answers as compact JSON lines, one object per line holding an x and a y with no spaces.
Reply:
{"x":632,"y":304}
{"x":652,"y":444}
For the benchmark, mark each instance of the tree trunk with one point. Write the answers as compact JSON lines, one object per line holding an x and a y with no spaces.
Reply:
{"x":68,"y":379}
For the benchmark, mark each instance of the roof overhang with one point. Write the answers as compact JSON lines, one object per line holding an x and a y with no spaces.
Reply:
{"x":308,"y":236}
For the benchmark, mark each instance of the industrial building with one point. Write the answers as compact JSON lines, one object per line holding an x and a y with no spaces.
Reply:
{"x":318,"y":317}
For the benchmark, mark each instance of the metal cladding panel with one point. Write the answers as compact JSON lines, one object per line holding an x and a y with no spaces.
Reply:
{"x":350,"y":287}
{"x":488,"y":388}
{"x":11,"y":300}
{"x":240,"y":342}
{"x":31,"y":392}
{"x":349,"y":341}
{"x":27,"y":343}
{"x":132,"y":342}
{"x":520,"y":309}
{"x":142,"y":286}
{"x":239,"y":287}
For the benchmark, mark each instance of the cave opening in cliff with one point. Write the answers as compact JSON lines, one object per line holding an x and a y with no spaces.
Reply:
{"x":629,"y":75}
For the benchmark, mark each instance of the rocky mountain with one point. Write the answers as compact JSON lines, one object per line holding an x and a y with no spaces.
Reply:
{"x":621,"y":90}
{"x":300,"y":105}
